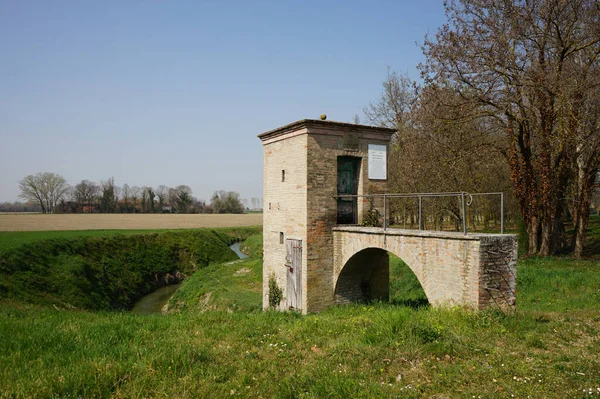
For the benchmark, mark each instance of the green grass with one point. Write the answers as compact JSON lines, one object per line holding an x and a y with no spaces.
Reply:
{"x":354,"y":351}
{"x":559,"y":285}
{"x":107,"y":271}
{"x":253,"y":246}
{"x":405,"y":289}
{"x":592,"y":243}
{"x":12,"y":239}
{"x":223,"y":346}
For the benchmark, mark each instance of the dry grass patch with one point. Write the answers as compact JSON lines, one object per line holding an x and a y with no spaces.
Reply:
{"x":41,"y":222}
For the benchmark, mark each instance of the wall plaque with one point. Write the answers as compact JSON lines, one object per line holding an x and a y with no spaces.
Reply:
{"x":377,"y":162}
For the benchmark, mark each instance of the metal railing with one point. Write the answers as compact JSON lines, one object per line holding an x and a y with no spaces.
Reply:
{"x":466,"y":199}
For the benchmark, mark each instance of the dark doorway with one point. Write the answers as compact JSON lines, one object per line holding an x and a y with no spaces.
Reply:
{"x":348,"y":169}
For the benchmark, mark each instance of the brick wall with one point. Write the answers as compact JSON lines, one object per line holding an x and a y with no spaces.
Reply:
{"x":324,"y":148}
{"x":477,"y":270}
{"x":498,"y":280}
{"x":284,"y":205}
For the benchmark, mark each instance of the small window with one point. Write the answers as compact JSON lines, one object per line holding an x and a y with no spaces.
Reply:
{"x":269,"y":205}
{"x":283,"y":175}
{"x":281,"y":237}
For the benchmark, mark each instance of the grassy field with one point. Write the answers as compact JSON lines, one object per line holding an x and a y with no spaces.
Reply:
{"x":216,"y":342}
{"x":41,"y":222}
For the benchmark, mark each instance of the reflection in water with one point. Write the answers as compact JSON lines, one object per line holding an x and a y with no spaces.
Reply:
{"x":155,"y":301}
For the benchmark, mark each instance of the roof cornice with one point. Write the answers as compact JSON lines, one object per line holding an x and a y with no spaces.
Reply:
{"x":308,"y":123}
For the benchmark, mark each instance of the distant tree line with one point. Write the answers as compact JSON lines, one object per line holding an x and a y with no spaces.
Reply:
{"x":48,"y":192}
{"x":18,"y":206}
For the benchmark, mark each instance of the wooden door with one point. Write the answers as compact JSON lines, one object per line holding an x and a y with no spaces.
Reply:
{"x":294,"y":274}
{"x":347,"y":184}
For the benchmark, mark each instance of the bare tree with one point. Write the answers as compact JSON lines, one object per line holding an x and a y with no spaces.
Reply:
{"x":172,"y":198}
{"x":587,"y":161}
{"x":162,"y":192}
{"x":45,"y":188}
{"x":396,"y":101}
{"x":85,"y":193}
{"x":126,"y":193}
{"x":135,"y":193}
{"x":530,"y":67}
{"x":226,"y":202}
{"x":440,"y":148}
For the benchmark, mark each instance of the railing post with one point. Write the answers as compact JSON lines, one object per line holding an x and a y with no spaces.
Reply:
{"x":384,"y":213}
{"x":502,"y":213}
{"x":464,"y":212}
{"x":420,"y":213}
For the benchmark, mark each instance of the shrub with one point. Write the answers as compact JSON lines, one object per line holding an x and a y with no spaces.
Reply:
{"x":275,"y":293}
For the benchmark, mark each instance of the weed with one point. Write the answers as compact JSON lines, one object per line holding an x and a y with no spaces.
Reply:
{"x":275,"y":292}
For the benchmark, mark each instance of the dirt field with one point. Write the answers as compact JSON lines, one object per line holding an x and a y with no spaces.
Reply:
{"x":40,"y":222}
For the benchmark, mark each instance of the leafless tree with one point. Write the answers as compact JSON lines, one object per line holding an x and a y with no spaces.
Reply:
{"x":396,"y":101}
{"x":162,"y":192}
{"x":85,"y":193}
{"x":439,"y":147}
{"x":135,"y":193}
{"x":226,"y":202}
{"x":531,"y":68}
{"x":45,"y":188}
{"x":126,"y":193}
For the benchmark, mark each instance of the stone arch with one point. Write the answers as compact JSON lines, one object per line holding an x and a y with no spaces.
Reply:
{"x":365,"y":276}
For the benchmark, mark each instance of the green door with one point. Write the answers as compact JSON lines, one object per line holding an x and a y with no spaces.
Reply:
{"x":347,"y":184}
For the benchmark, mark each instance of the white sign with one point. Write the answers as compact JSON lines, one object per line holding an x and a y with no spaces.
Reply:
{"x":377,"y":162}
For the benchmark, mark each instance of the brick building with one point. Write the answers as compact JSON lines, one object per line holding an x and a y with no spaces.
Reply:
{"x":307,"y":164}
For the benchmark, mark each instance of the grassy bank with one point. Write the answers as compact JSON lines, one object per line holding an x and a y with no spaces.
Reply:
{"x":216,"y":343}
{"x":379,"y":350}
{"x":105,"y":270}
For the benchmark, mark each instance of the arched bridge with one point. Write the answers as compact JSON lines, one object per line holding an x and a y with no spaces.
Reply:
{"x":473,"y":270}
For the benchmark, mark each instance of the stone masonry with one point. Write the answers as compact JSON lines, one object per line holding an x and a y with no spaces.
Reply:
{"x":474,"y":270}
{"x":299,"y":189}
{"x":341,"y":264}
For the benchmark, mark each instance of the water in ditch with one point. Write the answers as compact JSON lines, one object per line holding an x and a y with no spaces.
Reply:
{"x":156,"y":300}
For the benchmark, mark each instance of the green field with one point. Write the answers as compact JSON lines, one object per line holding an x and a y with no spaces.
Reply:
{"x":216,"y":342}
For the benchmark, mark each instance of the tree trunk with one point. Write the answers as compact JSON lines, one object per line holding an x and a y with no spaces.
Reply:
{"x":583,"y":213}
{"x":545,"y":247}
{"x":557,"y":240}
{"x":533,"y":230}
{"x":580,"y":229}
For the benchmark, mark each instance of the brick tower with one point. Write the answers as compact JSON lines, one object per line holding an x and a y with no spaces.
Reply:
{"x":308,"y":164}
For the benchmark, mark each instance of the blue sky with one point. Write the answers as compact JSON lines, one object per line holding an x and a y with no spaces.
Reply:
{"x":175,"y":92}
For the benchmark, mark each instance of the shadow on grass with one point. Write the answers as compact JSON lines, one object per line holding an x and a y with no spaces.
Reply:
{"x":415,"y":303}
